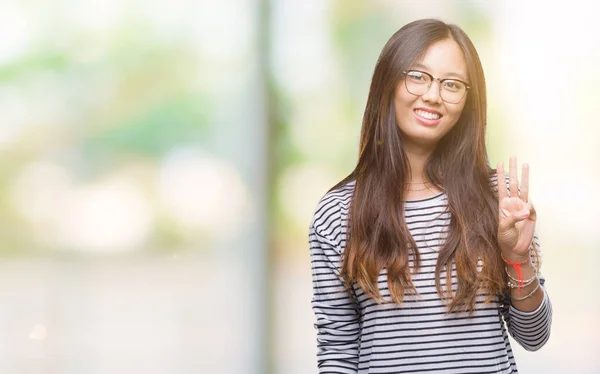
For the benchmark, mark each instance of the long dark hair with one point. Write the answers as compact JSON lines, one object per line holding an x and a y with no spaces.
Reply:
{"x":378,"y":237}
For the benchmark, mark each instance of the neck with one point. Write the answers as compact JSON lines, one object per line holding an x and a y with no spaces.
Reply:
{"x":417,"y":158}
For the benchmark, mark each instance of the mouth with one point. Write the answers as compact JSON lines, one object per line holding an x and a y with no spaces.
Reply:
{"x":427,"y":117}
{"x":428,"y":114}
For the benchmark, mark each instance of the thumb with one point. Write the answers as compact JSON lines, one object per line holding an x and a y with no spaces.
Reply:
{"x":511,"y":218}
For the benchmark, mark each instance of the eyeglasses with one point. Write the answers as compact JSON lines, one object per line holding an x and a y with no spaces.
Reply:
{"x":418,"y":83}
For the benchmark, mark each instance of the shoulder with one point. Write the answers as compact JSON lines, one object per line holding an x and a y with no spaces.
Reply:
{"x":332,"y":210}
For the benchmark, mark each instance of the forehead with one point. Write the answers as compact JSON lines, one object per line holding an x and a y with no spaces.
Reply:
{"x":443,"y":59}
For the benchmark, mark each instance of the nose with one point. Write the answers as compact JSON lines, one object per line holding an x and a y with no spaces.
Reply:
{"x":433,"y":95}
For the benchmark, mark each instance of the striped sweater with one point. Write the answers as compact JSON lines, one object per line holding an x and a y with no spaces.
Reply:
{"x":357,"y":335}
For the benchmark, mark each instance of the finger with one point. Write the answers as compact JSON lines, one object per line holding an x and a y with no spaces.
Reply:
{"x":525,"y":183}
{"x":527,"y":212}
{"x":511,"y":219}
{"x":501,"y":179}
{"x":532,"y":212}
{"x":512,"y":177}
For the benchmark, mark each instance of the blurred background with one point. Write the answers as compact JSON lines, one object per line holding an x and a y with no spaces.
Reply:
{"x":160,"y":162}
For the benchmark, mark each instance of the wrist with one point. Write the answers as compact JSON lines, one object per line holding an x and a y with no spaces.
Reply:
{"x":515,"y":258}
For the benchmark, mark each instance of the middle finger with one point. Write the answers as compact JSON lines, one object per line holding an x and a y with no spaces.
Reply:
{"x":513,"y":181}
{"x":525,"y":183}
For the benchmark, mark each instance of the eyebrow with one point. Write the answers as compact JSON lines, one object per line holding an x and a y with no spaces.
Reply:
{"x":421,"y":66}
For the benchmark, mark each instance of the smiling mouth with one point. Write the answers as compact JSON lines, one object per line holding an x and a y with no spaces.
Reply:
{"x":427,"y":115}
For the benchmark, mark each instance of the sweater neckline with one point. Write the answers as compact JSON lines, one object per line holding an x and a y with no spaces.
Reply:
{"x":425,"y":201}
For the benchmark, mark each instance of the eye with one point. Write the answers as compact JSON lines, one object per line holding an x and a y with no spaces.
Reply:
{"x":417,"y":76}
{"x":453,"y":85}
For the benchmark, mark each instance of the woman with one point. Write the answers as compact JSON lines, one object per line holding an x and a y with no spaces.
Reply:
{"x":423,"y":200}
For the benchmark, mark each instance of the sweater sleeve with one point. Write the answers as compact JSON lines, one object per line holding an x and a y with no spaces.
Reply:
{"x":337,"y":317}
{"x":530,"y":329}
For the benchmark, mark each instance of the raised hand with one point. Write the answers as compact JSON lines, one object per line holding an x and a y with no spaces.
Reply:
{"x":516,"y":221}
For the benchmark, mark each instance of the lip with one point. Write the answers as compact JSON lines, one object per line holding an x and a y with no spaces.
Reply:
{"x":425,"y":121}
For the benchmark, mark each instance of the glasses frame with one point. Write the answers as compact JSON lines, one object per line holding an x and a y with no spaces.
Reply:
{"x":467,"y":86}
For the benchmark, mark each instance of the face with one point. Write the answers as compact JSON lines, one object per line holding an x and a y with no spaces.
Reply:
{"x":442,"y":60}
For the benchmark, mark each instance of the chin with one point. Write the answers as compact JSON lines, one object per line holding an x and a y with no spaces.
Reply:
{"x":422,"y":141}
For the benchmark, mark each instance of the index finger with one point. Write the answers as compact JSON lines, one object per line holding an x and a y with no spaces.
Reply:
{"x":501,"y":181}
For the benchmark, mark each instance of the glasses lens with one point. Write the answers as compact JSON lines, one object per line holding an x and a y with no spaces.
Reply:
{"x":417,"y":83}
{"x":453,"y":91}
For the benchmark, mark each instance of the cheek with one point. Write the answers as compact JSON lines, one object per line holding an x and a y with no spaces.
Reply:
{"x":403,"y":103}
{"x":455,"y":113}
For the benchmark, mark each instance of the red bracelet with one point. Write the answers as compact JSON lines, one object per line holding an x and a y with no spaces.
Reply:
{"x":519,"y":270}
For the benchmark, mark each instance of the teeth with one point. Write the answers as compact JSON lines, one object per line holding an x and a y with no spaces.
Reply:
{"x":427,"y":115}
